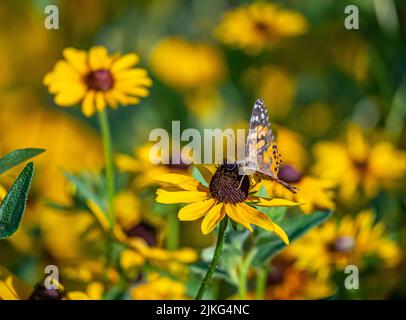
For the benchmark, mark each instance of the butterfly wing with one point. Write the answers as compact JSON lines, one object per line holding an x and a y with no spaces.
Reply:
{"x":261,"y":151}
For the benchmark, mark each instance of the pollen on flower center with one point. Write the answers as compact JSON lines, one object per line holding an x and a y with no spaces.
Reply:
{"x":227,"y":186}
{"x":100,"y":80}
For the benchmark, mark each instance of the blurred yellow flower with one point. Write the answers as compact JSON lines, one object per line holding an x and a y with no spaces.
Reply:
{"x":13,"y":288}
{"x":70,"y":144}
{"x":145,"y":171}
{"x":226,"y":194}
{"x":358,"y":163}
{"x":347,"y":242}
{"x":287,"y":282}
{"x":255,"y":26}
{"x":157,"y":287}
{"x":275,"y":86}
{"x":186,"y":65}
{"x":97,"y":79}
{"x":293,"y":148}
{"x":313,"y":193}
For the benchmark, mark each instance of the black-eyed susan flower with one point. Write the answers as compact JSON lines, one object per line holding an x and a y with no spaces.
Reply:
{"x":97,"y":80}
{"x":14,"y":288}
{"x":255,"y":26}
{"x":227,"y":194}
{"x":183,"y":64}
{"x":337,"y":244}
{"x":359,"y":164}
{"x":285,"y":281}
{"x":314,"y":193}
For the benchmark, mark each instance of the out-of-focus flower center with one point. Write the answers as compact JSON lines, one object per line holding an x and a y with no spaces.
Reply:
{"x":144,"y":231}
{"x":42,"y":293}
{"x":289,"y":174}
{"x":263,"y":28}
{"x":100,"y":80}
{"x":227,"y":186}
{"x":343,"y":244}
{"x":276,"y":275}
{"x":361,"y":165}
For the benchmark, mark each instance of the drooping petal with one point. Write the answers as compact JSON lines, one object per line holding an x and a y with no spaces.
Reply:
{"x":237,"y":215}
{"x":195,"y":210}
{"x":168,"y":197}
{"x":260,"y":219}
{"x":257,"y":217}
{"x":212,"y":218}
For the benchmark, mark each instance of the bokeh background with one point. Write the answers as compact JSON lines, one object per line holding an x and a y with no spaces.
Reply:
{"x":337,"y":103}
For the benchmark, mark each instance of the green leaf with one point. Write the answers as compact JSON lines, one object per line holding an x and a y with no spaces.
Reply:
{"x":16,"y":157}
{"x":13,"y":205}
{"x":295,"y":227}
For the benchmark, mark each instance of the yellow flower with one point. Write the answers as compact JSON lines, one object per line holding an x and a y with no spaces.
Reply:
{"x":141,"y":165}
{"x":13,"y":288}
{"x":255,"y":26}
{"x":227,"y":194}
{"x":313,"y":193}
{"x":185,"y":65}
{"x":158,"y":287}
{"x":359,"y":164}
{"x":349,"y":241}
{"x":275,"y":86}
{"x":97,"y":79}
{"x":287,"y":282}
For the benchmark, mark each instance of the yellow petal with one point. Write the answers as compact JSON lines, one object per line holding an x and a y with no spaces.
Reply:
{"x":97,"y":57}
{"x":12,"y":288}
{"x":88,"y":107}
{"x":212,"y":218}
{"x":195,"y":210}
{"x":180,"y":180}
{"x":77,"y":59}
{"x":180,"y":196}
{"x":237,"y":215}
{"x":263,"y":202}
{"x":257,"y":217}
{"x":280,"y":233}
{"x":77,"y":295}
{"x":125,"y":62}
{"x":100,"y":102}
{"x":71,"y":96}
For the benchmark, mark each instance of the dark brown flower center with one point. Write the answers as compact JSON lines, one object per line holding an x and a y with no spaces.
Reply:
{"x":144,"y":231}
{"x":100,"y":80}
{"x":42,"y":293}
{"x":342,"y":244}
{"x":361,"y":166}
{"x":289,"y":174}
{"x":263,"y":27}
{"x":227,"y":186}
{"x":276,"y":275}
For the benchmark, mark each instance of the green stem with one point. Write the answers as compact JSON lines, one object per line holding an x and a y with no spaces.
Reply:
{"x":173,"y":231}
{"x":216,"y":257}
{"x":260,"y":285}
{"x":108,"y":155}
{"x":244,"y":268}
